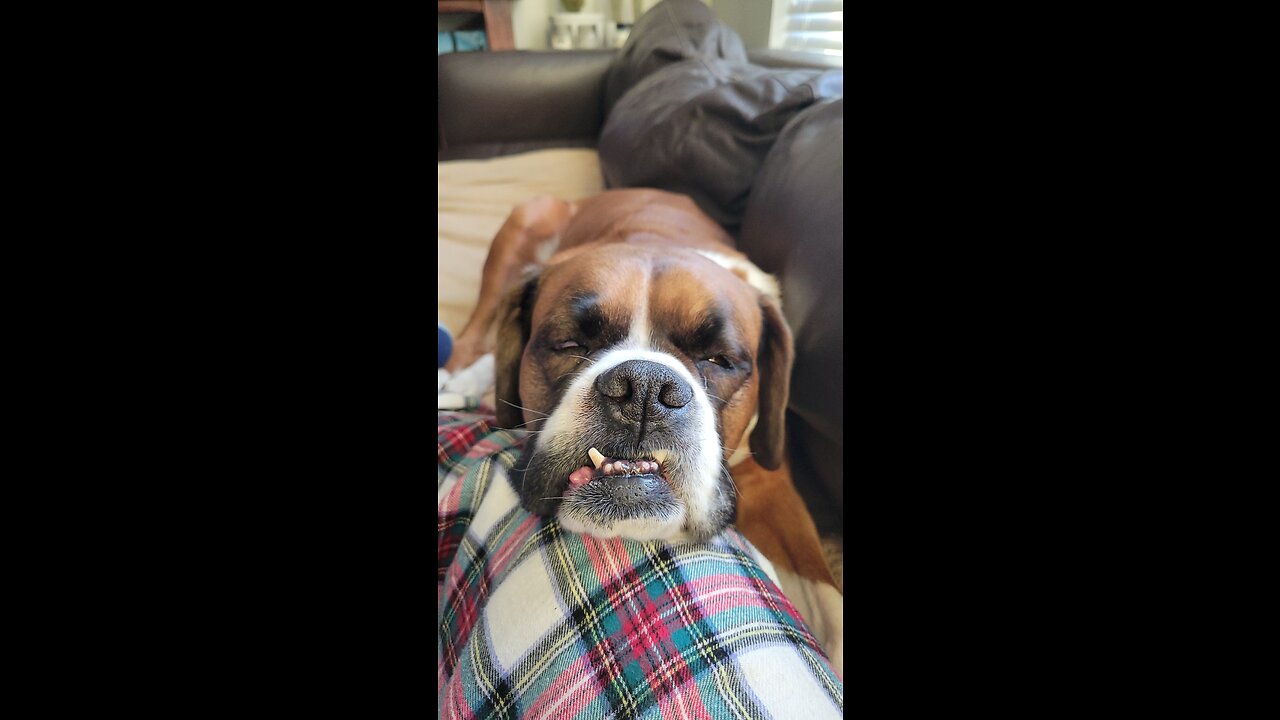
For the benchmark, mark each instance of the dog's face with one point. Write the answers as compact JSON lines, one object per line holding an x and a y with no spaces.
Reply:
{"x":640,"y":368}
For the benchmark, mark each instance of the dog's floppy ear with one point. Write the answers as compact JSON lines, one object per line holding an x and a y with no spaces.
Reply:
{"x":515,"y":316}
{"x":777,"y":353}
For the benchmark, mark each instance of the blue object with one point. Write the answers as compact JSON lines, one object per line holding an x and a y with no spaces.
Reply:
{"x":470,"y":40}
{"x":445,"y":347}
{"x":461,"y":41}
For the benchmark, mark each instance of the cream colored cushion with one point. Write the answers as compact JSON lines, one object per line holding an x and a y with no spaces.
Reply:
{"x":475,"y":197}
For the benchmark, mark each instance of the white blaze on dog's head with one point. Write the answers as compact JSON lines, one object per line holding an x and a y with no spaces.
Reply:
{"x":654,"y":358}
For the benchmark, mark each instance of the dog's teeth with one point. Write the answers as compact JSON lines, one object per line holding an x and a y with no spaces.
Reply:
{"x":596,"y":458}
{"x":660,"y":456}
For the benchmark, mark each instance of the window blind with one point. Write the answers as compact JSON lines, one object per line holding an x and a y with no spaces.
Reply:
{"x":815,"y":26}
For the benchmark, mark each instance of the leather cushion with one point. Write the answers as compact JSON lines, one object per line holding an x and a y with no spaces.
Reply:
{"x":794,"y":227}
{"x":703,"y":127}
{"x":689,"y":114}
{"x":669,"y":33}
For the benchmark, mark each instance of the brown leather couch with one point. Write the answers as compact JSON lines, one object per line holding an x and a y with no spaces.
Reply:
{"x":792,"y":219}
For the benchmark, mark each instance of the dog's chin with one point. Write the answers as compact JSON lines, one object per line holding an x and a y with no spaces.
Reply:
{"x":670,"y":528}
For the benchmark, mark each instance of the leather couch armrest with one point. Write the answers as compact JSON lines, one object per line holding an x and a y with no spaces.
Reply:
{"x":496,"y":103}
{"x":794,"y":227}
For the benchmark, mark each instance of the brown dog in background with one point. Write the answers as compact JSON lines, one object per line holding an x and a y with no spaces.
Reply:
{"x":649,"y":355}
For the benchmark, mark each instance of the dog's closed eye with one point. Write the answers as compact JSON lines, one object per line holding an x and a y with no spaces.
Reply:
{"x":721,"y":360}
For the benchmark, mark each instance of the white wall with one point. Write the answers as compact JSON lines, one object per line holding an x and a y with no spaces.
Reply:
{"x":750,"y":18}
{"x":529,"y":22}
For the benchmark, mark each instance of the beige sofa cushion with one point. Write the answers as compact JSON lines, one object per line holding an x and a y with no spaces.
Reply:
{"x":475,"y":197}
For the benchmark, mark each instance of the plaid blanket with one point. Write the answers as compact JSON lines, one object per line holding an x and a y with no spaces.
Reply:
{"x":537,"y":622}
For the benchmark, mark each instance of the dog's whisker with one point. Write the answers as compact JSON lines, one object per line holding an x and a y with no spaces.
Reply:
{"x":733,"y":486}
{"x":582,"y":357}
{"x":525,"y":408}
{"x":571,"y":372}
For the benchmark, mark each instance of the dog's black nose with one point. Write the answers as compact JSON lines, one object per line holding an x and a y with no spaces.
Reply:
{"x":644,"y":389}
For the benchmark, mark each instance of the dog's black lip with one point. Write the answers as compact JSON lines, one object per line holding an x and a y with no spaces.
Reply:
{"x":599,"y":475}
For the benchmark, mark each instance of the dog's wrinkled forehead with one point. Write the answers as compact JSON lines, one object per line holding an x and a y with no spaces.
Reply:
{"x":669,"y":299}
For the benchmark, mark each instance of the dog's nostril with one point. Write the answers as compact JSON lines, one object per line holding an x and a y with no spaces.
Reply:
{"x":675,"y":394}
{"x":614,"y":384}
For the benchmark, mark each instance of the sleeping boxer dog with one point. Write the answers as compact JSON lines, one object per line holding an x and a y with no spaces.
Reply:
{"x":654,"y":363}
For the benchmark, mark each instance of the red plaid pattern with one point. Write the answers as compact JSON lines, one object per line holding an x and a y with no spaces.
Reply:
{"x":536,"y":622}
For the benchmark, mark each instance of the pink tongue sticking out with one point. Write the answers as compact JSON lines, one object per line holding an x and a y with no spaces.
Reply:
{"x":581,"y":476}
